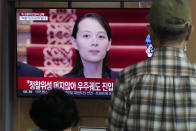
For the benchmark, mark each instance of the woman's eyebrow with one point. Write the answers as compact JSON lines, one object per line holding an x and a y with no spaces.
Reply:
{"x":85,"y":31}
{"x":88,"y":31}
{"x":101,"y":32}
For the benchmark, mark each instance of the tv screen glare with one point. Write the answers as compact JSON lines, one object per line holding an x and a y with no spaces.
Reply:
{"x":47,"y":52}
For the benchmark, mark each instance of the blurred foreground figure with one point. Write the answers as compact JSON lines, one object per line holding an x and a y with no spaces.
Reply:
{"x":54,"y":111}
{"x":159,"y":94}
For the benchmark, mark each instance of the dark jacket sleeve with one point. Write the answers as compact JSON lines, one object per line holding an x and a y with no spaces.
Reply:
{"x":28,"y":70}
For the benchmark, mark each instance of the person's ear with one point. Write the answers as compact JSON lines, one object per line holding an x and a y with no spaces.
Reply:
{"x":109,"y":45}
{"x":149,"y":29}
{"x":190,"y":31}
{"x":74,"y":43}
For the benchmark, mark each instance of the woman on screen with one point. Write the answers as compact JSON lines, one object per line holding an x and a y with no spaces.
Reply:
{"x":91,"y":38}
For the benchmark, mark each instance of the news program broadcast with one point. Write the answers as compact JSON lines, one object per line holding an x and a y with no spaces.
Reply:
{"x":80,"y":51}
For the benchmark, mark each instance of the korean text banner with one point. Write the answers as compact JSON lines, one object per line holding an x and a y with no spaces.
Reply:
{"x":89,"y":87}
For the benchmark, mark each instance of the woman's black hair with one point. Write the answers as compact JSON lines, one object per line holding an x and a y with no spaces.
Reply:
{"x":102,"y":21}
{"x":78,"y":68}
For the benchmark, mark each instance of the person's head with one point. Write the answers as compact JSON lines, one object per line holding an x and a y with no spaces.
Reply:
{"x":54,"y":111}
{"x":170,"y":22}
{"x":91,"y":37}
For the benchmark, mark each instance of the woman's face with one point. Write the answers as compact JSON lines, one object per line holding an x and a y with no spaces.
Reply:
{"x":91,"y":41}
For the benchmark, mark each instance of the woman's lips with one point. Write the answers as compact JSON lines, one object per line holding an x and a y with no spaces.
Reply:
{"x":94,"y":52}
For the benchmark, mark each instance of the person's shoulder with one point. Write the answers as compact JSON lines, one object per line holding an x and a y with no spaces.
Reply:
{"x":23,"y":65}
{"x":69,"y":75}
{"x":134,"y":69}
{"x":72,"y":75}
{"x":28,"y":70}
{"x":114,"y":74}
{"x":192,"y":68}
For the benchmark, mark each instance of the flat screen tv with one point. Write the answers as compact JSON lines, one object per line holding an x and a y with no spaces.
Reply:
{"x":47,"y":52}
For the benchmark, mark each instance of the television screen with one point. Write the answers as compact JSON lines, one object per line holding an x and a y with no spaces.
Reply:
{"x":75,"y":50}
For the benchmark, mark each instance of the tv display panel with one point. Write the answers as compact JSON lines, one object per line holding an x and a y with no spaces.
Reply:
{"x":45,"y":52}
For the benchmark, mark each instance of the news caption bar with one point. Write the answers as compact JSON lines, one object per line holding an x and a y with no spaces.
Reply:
{"x":30,"y":86}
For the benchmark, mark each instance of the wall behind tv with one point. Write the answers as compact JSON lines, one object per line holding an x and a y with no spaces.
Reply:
{"x":7,"y":63}
{"x":192,"y":44}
